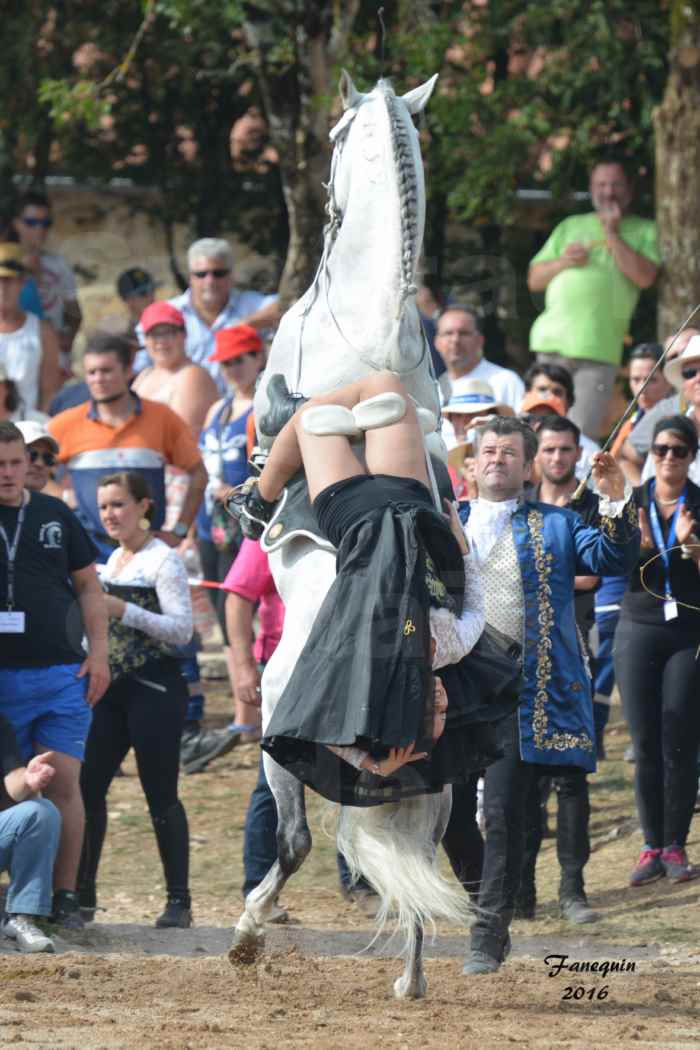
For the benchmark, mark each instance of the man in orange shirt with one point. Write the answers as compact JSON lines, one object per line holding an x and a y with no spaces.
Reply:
{"x":117,"y":430}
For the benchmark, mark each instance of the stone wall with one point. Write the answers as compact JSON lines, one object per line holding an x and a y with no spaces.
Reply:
{"x":105,"y":231}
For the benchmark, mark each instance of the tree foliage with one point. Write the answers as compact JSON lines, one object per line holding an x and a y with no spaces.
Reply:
{"x":528,"y":95}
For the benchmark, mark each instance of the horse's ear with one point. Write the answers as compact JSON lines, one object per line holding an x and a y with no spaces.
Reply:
{"x":348,"y":92}
{"x":417,"y":99}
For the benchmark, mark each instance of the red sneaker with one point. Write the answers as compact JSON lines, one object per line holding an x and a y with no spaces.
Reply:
{"x":648,"y":868}
{"x":676,"y":864}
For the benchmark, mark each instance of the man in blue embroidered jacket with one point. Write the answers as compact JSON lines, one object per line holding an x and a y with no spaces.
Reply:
{"x":529,"y":555}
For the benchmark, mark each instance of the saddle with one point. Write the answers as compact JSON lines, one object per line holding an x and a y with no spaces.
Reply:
{"x":295,"y":517}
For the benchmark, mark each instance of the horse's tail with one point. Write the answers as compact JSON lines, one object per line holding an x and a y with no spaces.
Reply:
{"x":393,"y":847}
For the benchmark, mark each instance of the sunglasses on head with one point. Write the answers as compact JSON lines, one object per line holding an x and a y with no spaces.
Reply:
{"x":201,"y":274}
{"x":38,"y":222}
{"x":677,"y":451}
{"x":48,"y":458}
{"x":690,"y":373}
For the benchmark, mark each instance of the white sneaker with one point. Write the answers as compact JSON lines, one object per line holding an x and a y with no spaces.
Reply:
{"x":29,"y":937}
{"x":329,"y":421}
{"x":379,"y":411}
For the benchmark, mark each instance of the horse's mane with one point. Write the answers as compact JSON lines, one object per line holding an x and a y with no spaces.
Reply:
{"x":408,"y":187}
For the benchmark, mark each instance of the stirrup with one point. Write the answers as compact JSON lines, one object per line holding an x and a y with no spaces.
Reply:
{"x":329,"y":421}
{"x":379,"y":411}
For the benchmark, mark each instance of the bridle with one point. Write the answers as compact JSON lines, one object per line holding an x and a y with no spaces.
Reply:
{"x":321,"y":283}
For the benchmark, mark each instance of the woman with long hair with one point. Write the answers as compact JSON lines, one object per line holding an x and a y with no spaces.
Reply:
{"x":148,"y":602}
{"x":656,"y":655}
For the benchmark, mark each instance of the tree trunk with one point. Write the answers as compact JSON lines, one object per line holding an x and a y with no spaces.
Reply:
{"x":296,"y":95}
{"x":677,"y":128}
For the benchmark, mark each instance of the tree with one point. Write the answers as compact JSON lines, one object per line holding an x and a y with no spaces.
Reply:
{"x":677,"y":127}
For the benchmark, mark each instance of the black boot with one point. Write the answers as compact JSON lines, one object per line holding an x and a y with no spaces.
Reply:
{"x":250,"y":509}
{"x":93,"y":840}
{"x":172,"y":836}
{"x":281,"y":406}
{"x":177,"y":914}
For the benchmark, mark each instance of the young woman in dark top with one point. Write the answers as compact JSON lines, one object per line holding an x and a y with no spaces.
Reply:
{"x":149,"y":609}
{"x":656,"y":649}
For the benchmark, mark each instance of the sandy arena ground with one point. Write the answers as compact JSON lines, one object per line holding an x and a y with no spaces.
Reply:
{"x":122,"y":984}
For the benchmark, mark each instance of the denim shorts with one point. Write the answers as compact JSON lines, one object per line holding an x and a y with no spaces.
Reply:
{"x":46,"y":707}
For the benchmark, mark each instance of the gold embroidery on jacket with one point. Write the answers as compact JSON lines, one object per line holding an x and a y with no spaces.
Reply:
{"x":545,"y":618}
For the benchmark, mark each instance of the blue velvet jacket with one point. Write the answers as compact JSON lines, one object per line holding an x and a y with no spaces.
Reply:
{"x":553,"y":546}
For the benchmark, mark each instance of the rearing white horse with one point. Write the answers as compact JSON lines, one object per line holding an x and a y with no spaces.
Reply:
{"x":359,"y":315}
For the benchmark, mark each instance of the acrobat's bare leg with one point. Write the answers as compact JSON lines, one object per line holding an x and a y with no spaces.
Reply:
{"x":395,"y":449}
{"x":293,"y":845}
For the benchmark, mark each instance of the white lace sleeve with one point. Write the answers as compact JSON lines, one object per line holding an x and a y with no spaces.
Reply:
{"x":173,"y":625}
{"x":454,"y":638}
{"x":353,"y":755}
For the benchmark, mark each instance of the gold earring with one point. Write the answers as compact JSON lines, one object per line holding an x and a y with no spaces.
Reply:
{"x":144,"y":524}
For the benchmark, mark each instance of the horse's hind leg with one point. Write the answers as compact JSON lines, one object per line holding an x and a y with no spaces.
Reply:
{"x":293,"y":845}
{"x":412,"y":983}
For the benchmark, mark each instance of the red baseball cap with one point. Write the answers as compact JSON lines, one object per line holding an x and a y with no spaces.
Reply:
{"x":234,"y":342}
{"x":161,"y":313}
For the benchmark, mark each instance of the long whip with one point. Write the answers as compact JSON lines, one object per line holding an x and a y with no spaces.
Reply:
{"x":635,"y":400}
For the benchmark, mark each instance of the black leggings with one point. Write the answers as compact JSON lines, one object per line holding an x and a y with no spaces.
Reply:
{"x":133,"y":714}
{"x":657,"y":674}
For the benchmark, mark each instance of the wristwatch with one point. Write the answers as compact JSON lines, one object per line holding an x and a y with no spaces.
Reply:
{"x":180,"y":530}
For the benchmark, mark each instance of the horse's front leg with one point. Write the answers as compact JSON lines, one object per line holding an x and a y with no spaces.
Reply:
{"x":412,"y":983}
{"x":293,"y":845}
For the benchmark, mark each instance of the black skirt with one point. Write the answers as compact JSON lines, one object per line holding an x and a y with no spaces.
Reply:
{"x":364,"y":676}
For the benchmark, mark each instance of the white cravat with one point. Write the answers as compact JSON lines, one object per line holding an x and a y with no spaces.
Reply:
{"x":487,"y":520}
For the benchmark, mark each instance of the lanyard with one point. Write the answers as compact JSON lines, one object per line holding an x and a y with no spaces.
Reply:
{"x":664,"y":546}
{"x":11,"y":549}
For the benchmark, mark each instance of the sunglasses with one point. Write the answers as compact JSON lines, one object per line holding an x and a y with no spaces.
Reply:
{"x":677,"y":451}
{"x":48,"y":458}
{"x":46,"y":223}
{"x":201,"y":274}
{"x":690,"y":373}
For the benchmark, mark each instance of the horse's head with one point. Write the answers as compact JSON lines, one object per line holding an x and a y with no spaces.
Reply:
{"x":376,"y":149}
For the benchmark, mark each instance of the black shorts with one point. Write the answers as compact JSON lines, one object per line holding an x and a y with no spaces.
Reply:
{"x":340,"y":506}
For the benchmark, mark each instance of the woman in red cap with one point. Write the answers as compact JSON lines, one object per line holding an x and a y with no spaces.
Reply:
{"x":240,"y":353}
{"x":173,"y":379}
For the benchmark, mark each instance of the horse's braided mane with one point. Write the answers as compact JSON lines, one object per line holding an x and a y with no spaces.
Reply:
{"x":408,"y":189}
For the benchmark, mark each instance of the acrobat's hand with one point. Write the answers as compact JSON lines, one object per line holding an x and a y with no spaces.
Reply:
{"x":397,"y":757}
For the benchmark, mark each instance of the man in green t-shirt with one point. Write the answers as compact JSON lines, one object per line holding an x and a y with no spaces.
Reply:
{"x":592,"y":268}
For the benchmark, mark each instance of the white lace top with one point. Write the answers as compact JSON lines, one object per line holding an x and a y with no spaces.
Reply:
{"x":453,"y":637}
{"x":156,"y":565}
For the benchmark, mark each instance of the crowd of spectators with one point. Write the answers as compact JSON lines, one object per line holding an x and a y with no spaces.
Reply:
{"x":125,"y":472}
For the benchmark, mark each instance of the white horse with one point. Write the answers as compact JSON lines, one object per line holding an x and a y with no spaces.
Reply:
{"x":358,"y":315}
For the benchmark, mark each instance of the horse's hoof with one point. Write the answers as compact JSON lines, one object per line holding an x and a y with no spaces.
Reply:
{"x":246,"y":948}
{"x":415,"y":988}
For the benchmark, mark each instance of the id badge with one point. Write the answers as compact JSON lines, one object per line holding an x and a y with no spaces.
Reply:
{"x":670,"y":610}
{"x":12,"y":622}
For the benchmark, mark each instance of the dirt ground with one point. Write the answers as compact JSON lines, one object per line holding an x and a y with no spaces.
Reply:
{"x":121,"y":984}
